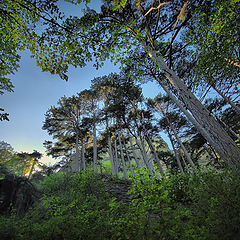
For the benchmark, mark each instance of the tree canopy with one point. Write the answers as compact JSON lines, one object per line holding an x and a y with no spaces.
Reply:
{"x":177,"y":154}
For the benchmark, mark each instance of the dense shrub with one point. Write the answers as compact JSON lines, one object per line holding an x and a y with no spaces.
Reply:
{"x":202,"y":205}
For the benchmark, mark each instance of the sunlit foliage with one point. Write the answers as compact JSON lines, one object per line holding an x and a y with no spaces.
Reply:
{"x":194,"y":205}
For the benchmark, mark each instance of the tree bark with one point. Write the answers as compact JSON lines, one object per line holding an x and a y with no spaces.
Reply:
{"x":110,"y":148}
{"x":185,"y":111}
{"x":228,"y":128}
{"x":187,"y":155}
{"x":134,"y":152}
{"x":157,"y":160}
{"x":179,"y":140}
{"x":77,"y":165}
{"x":144,"y":155}
{"x":122,"y":158}
{"x":83,"y":162}
{"x":216,"y":135}
{"x":128,"y":158}
{"x":111,"y":155}
{"x":180,"y":152}
{"x":95,"y":162}
{"x":116,"y":156}
{"x":175,"y":151}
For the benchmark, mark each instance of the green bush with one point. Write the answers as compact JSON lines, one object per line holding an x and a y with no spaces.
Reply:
{"x":72,"y":207}
{"x":216,"y":203}
{"x":55,"y":183}
{"x":202,"y":204}
{"x":8,"y":228}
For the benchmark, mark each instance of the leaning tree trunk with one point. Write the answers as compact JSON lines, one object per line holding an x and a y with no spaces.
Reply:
{"x":116,"y":156}
{"x":185,"y":111}
{"x":144,"y":155}
{"x":175,"y":151}
{"x":216,"y":135}
{"x":128,"y":158}
{"x":181,"y":154}
{"x":95,"y":145}
{"x":228,"y":128}
{"x":178,"y":139}
{"x":122,"y":158}
{"x":110,"y":148}
{"x":134,"y":152}
{"x":187,"y":155}
{"x":83,"y":162}
{"x":77,"y":165}
{"x":157,"y":160}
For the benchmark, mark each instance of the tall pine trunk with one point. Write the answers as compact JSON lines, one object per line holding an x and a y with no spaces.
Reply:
{"x":110,"y":148}
{"x":155,"y":155}
{"x":116,"y":156}
{"x":122,"y":158}
{"x":187,"y":155}
{"x":128,"y":158}
{"x":216,"y":135}
{"x":175,"y":151}
{"x":185,"y":111}
{"x":144,"y":155}
{"x":77,"y":156}
{"x":134,"y":152}
{"x":95,"y":162}
{"x":181,"y":154}
{"x":83,"y":162}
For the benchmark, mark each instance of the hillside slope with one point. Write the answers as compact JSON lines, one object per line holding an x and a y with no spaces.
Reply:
{"x":199,"y":205}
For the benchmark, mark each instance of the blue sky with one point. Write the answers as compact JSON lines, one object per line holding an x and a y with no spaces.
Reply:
{"x":36,"y":91}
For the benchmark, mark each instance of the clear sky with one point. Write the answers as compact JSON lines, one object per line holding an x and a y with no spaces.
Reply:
{"x":36,"y":91}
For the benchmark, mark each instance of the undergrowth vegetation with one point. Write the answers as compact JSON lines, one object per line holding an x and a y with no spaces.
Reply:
{"x":204,"y":204}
